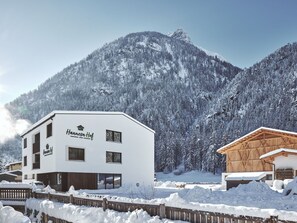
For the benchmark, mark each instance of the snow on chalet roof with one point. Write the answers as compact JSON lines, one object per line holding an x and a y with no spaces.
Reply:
{"x":16,"y":162}
{"x":274,"y":152}
{"x":246,"y":176}
{"x":53,"y":113}
{"x":8,"y":173}
{"x":253,"y":133}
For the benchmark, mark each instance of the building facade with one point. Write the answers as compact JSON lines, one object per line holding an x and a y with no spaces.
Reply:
{"x":89,"y":150}
{"x":264,"y":155}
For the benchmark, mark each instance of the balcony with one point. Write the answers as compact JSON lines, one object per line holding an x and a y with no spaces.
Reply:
{"x":36,"y":165}
{"x":36,"y":147}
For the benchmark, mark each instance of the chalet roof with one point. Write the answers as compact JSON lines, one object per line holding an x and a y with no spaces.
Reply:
{"x":54,"y":113}
{"x":256,"y":134}
{"x":246,"y":176}
{"x":9,"y":174}
{"x":16,"y":162}
{"x":279,"y":152}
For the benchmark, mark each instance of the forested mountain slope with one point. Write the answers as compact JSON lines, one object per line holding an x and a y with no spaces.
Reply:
{"x":161,"y":80}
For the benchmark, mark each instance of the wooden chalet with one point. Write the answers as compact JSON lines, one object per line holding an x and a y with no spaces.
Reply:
{"x":259,"y":152}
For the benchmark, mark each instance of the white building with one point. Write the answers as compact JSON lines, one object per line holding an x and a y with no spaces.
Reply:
{"x":88,"y":150}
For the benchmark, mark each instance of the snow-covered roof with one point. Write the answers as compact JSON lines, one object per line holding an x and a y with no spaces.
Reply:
{"x":16,"y":162}
{"x":246,"y":176}
{"x":281,"y":150}
{"x":254,"y":133}
{"x":7,"y":173}
{"x":53,"y":113}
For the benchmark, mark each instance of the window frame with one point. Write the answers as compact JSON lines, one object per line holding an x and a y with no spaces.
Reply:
{"x":25,"y":161}
{"x":113,"y":160}
{"x":49,"y":127}
{"x":78,"y":155}
{"x":112,"y":138}
{"x":25,"y":143}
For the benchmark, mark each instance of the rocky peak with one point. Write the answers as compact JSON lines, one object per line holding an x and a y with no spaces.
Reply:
{"x":180,"y":34}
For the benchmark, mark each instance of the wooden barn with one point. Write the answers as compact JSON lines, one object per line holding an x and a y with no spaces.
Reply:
{"x":263,"y":155}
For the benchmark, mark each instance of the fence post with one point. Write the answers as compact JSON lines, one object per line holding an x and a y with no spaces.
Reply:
{"x":49,"y":196}
{"x":71,"y":199}
{"x":273,"y":219}
{"x":104,"y":204}
{"x":162,"y":211}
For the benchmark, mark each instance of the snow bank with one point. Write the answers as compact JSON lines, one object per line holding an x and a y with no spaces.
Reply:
{"x":82,"y":214}
{"x":6,"y":184}
{"x":9,"y":215}
{"x":291,"y":188}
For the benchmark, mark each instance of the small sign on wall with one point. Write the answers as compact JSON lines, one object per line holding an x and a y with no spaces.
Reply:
{"x":48,"y":150}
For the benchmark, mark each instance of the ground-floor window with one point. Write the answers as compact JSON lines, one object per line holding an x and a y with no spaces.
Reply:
{"x":109,"y":181}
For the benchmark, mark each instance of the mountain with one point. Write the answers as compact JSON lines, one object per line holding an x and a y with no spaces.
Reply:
{"x":163,"y":81}
{"x":262,"y":95}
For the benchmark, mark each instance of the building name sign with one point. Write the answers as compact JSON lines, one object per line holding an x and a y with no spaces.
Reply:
{"x":48,"y":150}
{"x":80,"y":133}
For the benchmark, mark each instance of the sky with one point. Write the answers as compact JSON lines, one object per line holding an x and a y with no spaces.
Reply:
{"x":40,"y":38}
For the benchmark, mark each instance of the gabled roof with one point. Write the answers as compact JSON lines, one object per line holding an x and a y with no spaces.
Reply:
{"x":279,"y":152}
{"x":13,"y":163}
{"x":256,"y":134}
{"x":54,"y":113}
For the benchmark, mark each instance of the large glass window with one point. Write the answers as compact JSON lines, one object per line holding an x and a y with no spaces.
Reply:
{"x":113,"y":136}
{"x":109,"y":181}
{"x":49,"y":130}
{"x":76,"y":154}
{"x":113,"y":157}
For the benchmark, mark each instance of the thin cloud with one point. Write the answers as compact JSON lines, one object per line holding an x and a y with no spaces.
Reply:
{"x":10,"y":127}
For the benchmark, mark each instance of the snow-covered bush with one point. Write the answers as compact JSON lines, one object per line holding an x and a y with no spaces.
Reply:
{"x":278,"y":184}
{"x":9,"y":215}
{"x":179,"y":170}
{"x":291,"y":188}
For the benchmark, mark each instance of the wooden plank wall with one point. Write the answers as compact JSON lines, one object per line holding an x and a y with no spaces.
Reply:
{"x":244,"y":157}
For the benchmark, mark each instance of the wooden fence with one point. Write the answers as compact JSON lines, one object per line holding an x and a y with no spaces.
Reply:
{"x":161,"y":210}
{"x":15,"y":194}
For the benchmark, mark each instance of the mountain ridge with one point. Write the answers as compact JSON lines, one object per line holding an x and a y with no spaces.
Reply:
{"x":194,"y":101}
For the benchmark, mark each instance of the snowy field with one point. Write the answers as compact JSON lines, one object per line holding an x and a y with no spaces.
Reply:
{"x":199,"y":191}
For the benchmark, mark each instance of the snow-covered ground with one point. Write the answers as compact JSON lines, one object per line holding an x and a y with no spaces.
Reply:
{"x":9,"y":215}
{"x":193,"y":190}
{"x":82,"y":214}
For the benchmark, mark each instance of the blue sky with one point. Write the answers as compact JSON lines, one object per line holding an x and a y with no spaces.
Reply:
{"x":40,"y":38}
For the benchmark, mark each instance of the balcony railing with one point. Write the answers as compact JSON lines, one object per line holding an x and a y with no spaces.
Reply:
{"x":36,"y":147}
{"x":36,"y":165}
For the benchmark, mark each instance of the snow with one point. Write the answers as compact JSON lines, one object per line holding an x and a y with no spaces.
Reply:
{"x":6,"y":184}
{"x":82,"y":214}
{"x":9,"y":215}
{"x":201,"y":191}
{"x":271,"y":153}
{"x":190,"y":177}
{"x":246,"y":176}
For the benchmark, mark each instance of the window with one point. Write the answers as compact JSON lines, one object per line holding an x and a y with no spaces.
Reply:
{"x":25,"y":143}
{"x":113,"y":136}
{"x":33,"y":176}
{"x":112,"y":157}
{"x":25,"y":176}
{"x":268,"y":177}
{"x":37,"y":138}
{"x":76,"y":154}
{"x":109,"y":181}
{"x":49,"y":130}
{"x":25,"y":160}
